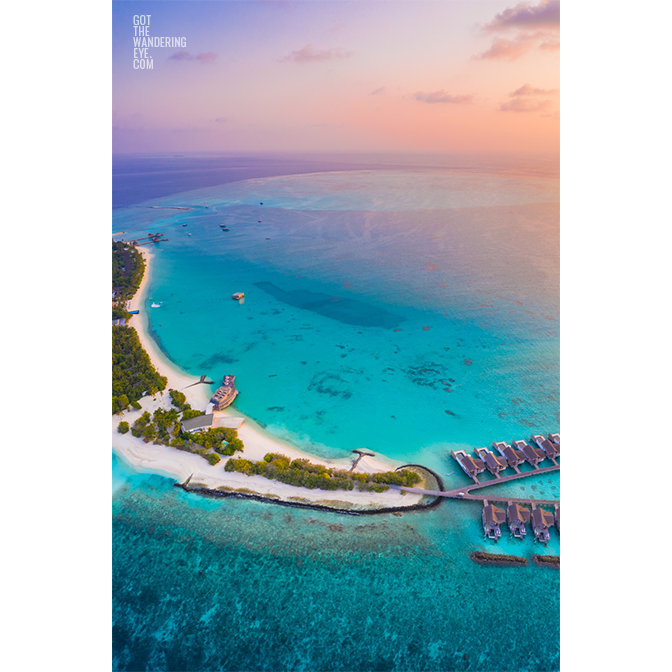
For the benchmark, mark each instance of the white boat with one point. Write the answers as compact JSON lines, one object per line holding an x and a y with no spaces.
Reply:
{"x":156,"y":305}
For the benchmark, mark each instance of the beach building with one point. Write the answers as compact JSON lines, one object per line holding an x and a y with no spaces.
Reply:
{"x":493,"y":516}
{"x":197,"y":424}
{"x":532,"y":455}
{"x":493,"y":463}
{"x":513,"y":457}
{"x":518,"y":516}
{"x":541,"y":522}
{"x":225,"y":395}
{"x":472,"y":467}
{"x":550,"y":449}
{"x":119,"y":322}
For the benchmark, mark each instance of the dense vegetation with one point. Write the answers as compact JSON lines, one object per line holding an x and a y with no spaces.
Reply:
{"x":301,"y":472}
{"x":128,"y":267}
{"x":165,"y":428}
{"x":133,"y":373}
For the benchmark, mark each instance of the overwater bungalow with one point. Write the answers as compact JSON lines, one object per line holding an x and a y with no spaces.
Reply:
{"x":532,"y":455}
{"x":512,"y":457}
{"x":493,"y":516}
{"x":493,"y":463}
{"x":550,"y":449}
{"x":518,"y":516}
{"x":541,"y":522}
{"x":555,"y":438}
{"x":472,"y":467}
{"x":557,"y":517}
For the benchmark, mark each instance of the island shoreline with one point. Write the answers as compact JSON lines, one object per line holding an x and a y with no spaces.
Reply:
{"x":179,"y":465}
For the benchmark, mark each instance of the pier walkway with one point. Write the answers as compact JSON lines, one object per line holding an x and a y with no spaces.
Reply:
{"x":464,"y":492}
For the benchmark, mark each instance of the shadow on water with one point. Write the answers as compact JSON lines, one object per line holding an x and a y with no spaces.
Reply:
{"x":348,"y":311}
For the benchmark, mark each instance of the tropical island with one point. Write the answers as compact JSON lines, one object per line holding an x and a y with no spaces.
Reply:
{"x":152,"y":399}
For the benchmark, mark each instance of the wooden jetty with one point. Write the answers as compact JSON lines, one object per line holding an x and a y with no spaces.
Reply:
{"x":204,"y":380}
{"x":465,"y":491}
{"x":362,"y":453}
{"x":146,"y":240}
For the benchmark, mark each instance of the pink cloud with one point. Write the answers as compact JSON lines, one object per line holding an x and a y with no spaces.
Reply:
{"x":527,"y":90}
{"x":443,"y":97}
{"x":525,"y":16}
{"x":524,"y":105}
{"x":503,"y":48}
{"x":378,"y":92}
{"x":310,"y":55}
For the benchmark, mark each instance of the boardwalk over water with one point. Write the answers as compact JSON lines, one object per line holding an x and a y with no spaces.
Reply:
{"x":464,"y":492}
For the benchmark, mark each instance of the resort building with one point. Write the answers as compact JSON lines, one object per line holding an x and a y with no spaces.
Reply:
{"x":492,"y":518}
{"x":472,"y":467}
{"x":493,"y":463}
{"x":532,"y":455}
{"x":518,"y":516}
{"x":225,"y":395}
{"x":198,"y":424}
{"x":541,"y":522}
{"x":513,"y":457}
{"x":550,"y":449}
{"x":555,"y":438}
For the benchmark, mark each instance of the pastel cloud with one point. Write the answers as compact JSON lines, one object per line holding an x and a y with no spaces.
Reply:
{"x":378,"y":92}
{"x":503,"y":48}
{"x":524,"y":105}
{"x":310,"y":55}
{"x":443,"y":97}
{"x":222,"y":120}
{"x":184,"y":55}
{"x":528,"y":90}
{"x":523,"y":16}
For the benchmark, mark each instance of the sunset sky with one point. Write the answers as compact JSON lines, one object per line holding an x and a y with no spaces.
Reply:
{"x":454,"y":75}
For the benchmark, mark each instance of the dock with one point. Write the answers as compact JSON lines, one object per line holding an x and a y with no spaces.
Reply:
{"x":362,"y":453}
{"x":146,"y":240}
{"x":465,"y":491}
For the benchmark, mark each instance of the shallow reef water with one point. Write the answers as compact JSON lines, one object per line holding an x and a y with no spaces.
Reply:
{"x":407,"y":312}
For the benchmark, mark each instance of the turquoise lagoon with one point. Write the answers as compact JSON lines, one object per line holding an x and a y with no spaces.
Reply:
{"x":411,"y":312}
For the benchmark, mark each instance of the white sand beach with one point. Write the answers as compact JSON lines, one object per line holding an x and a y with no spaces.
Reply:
{"x":180,"y":465}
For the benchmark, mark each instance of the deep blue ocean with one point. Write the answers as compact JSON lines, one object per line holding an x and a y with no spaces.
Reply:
{"x":406,"y":307}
